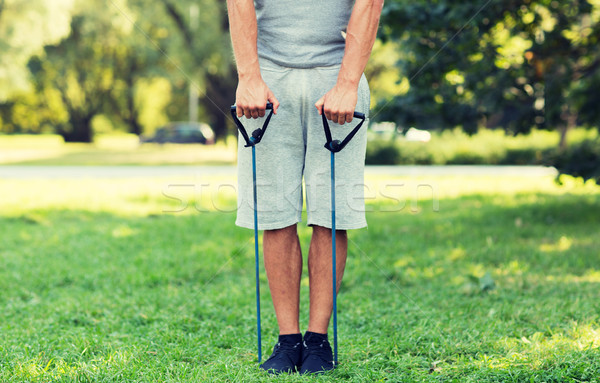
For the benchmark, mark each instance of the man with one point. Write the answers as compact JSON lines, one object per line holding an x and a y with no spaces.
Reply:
{"x":305,"y":53}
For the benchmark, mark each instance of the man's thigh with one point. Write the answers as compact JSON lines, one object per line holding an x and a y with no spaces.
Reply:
{"x":349,"y":169}
{"x":279,"y":158}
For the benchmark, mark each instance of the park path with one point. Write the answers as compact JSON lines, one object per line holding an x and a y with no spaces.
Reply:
{"x":31,"y":172}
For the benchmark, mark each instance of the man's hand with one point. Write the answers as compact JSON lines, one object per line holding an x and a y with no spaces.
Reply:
{"x":252,"y":96}
{"x":339,"y":103}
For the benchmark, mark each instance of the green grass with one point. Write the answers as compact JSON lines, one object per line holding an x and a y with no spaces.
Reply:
{"x":122,"y":149}
{"x":101,"y":281}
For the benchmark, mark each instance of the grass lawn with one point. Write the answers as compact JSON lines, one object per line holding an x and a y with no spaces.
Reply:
{"x":147,"y":280}
{"x":110,"y":150}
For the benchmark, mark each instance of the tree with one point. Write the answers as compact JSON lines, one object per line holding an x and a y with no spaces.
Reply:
{"x":205,"y":55}
{"x":80,"y":67}
{"x":136,"y":64}
{"x":25,"y":27}
{"x":96,"y":70}
{"x":112,"y":58}
{"x":498,"y":63}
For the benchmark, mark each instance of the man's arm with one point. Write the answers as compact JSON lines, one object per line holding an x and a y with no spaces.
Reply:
{"x":252,"y":93}
{"x":340,"y":101}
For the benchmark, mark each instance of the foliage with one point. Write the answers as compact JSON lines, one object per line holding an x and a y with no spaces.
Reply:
{"x":115,"y":63}
{"x":383,"y":74}
{"x":101,"y":284}
{"x":203,"y":55}
{"x":497,"y":63}
{"x":489,"y":147}
{"x":82,"y":70}
{"x":580,"y":160}
{"x":99,"y":69}
{"x":25,"y":27}
{"x":382,"y":152}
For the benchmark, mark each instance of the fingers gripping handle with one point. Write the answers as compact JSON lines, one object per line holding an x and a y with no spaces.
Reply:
{"x":335,"y":146}
{"x":258,"y":133}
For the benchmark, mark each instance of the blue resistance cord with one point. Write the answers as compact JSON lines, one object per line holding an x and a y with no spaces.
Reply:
{"x":335,"y":146}
{"x":252,"y":141}
{"x":333,"y":260}
{"x":256,"y":256}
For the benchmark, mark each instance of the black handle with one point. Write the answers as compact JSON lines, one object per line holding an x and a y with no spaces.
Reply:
{"x":269,"y":106}
{"x":335,"y":146}
{"x":258,"y":133}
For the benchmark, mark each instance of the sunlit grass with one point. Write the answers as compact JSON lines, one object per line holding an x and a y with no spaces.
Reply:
{"x":110,"y":150}
{"x":111,"y":280}
{"x":187,"y":194}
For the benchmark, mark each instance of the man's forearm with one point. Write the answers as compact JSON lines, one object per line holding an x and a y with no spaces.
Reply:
{"x":360,"y":37}
{"x":243,"y":29}
{"x":252,"y":93}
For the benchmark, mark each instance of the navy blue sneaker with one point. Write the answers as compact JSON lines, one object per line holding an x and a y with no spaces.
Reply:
{"x":286,"y":356}
{"x":317,"y":356}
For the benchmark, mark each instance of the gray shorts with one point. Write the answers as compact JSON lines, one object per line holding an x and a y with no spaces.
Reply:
{"x":293,"y":148}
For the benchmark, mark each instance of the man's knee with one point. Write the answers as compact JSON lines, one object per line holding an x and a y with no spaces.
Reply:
{"x":325,"y":231}
{"x":283,"y":231}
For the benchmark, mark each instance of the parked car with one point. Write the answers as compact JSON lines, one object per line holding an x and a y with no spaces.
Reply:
{"x":183,"y":132}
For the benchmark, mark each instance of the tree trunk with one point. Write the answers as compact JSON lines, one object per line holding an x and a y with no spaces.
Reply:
{"x":219,"y":125}
{"x":220,"y":94}
{"x":132,"y":113}
{"x":81,"y":128}
{"x":570,"y":120}
{"x":135,"y":127}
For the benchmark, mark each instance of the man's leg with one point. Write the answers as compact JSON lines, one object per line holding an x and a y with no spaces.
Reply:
{"x":283,"y":263}
{"x":319,"y":273}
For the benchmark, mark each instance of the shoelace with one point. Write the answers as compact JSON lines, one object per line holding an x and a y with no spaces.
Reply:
{"x":284,"y":348}
{"x":320,"y":349}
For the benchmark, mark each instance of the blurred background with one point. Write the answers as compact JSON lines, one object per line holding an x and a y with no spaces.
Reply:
{"x":496,"y":82}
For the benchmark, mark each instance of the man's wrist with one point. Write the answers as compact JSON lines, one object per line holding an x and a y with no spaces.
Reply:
{"x":348,"y":84}
{"x":346,"y":80}
{"x":249,"y":71}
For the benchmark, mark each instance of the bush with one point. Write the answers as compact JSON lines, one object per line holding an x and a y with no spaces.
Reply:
{"x":383,"y":152}
{"x":524,"y":156}
{"x":468,"y":158}
{"x":490,"y":147}
{"x":580,"y":160}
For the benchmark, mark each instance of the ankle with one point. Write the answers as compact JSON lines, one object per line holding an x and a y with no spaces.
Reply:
{"x":317,"y":330}
{"x":292,"y":338}
{"x":289,"y":330}
{"x":315,"y":335}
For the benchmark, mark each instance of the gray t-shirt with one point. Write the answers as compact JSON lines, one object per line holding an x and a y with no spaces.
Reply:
{"x":302,"y":33}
